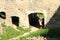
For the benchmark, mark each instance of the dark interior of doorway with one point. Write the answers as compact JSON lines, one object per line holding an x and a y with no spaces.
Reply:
{"x":33,"y":20}
{"x":15,"y":20}
{"x":3,"y":15}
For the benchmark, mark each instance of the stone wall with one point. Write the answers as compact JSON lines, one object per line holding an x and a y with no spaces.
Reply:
{"x":22,"y":8}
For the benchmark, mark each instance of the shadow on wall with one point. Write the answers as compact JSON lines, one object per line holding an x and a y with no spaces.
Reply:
{"x":15,"y":20}
{"x":55,"y":20}
{"x":3,"y":15}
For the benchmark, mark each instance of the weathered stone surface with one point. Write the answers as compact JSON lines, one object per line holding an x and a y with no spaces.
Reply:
{"x":22,"y":8}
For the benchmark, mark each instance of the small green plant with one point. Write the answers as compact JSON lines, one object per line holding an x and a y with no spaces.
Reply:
{"x":40,"y":15}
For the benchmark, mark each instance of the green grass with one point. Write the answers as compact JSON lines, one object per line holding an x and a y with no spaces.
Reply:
{"x":51,"y":32}
{"x":35,"y":34}
{"x":10,"y":33}
{"x":24,"y":30}
{"x":38,"y":33}
{"x":40,"y":15}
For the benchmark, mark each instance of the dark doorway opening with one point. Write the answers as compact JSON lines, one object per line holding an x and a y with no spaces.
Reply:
{"x":43,"y":23}
{"x":3,"y":15}
{"x":15,"y":20}
{"x":34,"y":20}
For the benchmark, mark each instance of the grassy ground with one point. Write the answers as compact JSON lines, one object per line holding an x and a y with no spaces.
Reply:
{"x":11,"y":32}
{"x":35,"y":34}
{"x":24,"y":30}
{"x":46,"y":32}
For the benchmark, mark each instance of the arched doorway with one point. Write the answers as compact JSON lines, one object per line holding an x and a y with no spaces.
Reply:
{"x":15,"y":20}
{"x":3,"y":15}
{"x":34,"y":19}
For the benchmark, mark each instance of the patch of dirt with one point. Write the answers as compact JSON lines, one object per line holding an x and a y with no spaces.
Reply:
{"x":2,"y":30}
